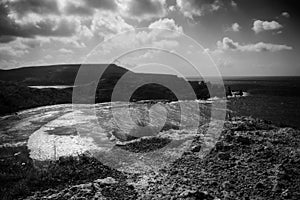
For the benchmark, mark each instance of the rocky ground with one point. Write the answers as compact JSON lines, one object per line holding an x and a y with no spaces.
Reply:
{"x":253,"y":159}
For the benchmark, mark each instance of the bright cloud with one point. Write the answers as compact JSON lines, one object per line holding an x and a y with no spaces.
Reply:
{"x":235,"y":27}
{"x":65,"y":51}
{"x":229,"y":44}
{"x":260,"y":26}
{"x":166,"y":23}
{"x":191,"y":8}
{"x":285,"y":14}
{"x":144,"y":10}
{"x":107,"y":24}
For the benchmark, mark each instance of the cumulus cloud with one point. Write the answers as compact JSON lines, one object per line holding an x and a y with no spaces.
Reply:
{"x":107,"y":24}
{"x":10,"y":51}
{"x":172,"y":8}
{"x":23,"y":7}
{"x":35,"y":26}
{"x":48,"y":56}
{"x":166,"y":23}
{"x":229,"y":44}
{"x":88,"y":7}
{"x":55,"y":18}
{"x":260,"y":26}
{"x":146,"y":9}
{"x":233,"y":4}
{"x":6,"y":38}
{"x":102,"y":4}
{"x":191,"y":8}
{"x":65,"y":51}
{"x":285,"y":14}
{"x":7,"y":53}
{"x":78,"y":9}
{"x":235,"y":27}
{"x":151,"y":37}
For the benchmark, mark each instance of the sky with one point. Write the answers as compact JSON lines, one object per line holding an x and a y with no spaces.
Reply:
{"x":243,"y":37}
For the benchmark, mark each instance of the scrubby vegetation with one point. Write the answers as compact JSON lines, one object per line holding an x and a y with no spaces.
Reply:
{"x":21,"y":179}
{"x":15,"y":97}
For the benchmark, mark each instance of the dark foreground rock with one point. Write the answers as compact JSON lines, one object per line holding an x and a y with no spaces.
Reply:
{"x":253,"y":159}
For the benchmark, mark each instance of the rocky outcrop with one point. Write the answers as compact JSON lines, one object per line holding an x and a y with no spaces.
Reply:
{"x":253,"y":159}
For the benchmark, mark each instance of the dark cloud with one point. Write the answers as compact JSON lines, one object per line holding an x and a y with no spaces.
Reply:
{"x":192,"y":8}
{"x":23,"y":7}
{"x":73,"y":9}
{"x":9,"y":29}
{"x":102,"y":4}
{"x":87,"y":7}
{"x":6,"y":38}
{"x":146,"y":8}
{"x":50,"y":27}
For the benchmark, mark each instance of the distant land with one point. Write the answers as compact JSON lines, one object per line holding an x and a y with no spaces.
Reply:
{"x":64,"y":74}
{"x":15,"y":94}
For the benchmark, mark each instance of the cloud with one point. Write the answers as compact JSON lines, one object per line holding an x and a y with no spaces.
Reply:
{"x":48,"y":57}
{"x":65,"y":51}
{"x":102,"y":4}
{"x":88,"y":7}
{"x":78,"y":9}
{"x":23,"y":7}
{"x":191,"y":8}
{"x":8,"y":28}
{"x":82,"y":18}
{"x":228,"y":44}
{"x":107,"y":24}
{"x":140,"y":38}
{"x":146,"y":9}
{"x":260,"y":26}
{"x":33,"y":18}
{"x":51,"y":27}
{"x":233,"y":4}
{"x":172,"y":8}
{"x":235,"y":27}
{"x":166,"y":23}
{"x":33,"y":25}
{"x":9,"y":51}
{"x":7,"y":38}
{"x":285,"y":14}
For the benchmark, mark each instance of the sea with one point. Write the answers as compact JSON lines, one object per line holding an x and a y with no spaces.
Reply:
{"x":276,"y":99}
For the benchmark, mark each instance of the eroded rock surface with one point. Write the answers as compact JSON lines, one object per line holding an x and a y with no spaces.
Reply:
{"x":253,"y":159}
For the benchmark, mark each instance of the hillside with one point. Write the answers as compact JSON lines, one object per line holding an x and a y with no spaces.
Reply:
{"x":54,"y":74}
{"x":16,"y":96}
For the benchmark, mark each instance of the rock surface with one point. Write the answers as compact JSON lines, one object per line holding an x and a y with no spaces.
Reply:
{"x":253,"y":159}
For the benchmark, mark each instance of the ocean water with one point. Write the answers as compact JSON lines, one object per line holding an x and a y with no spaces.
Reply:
{"x":271,"y":98}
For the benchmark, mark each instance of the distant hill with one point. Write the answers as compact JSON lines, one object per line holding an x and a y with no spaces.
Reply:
{"x":54,"y":74}
{"x":15,"y":95}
